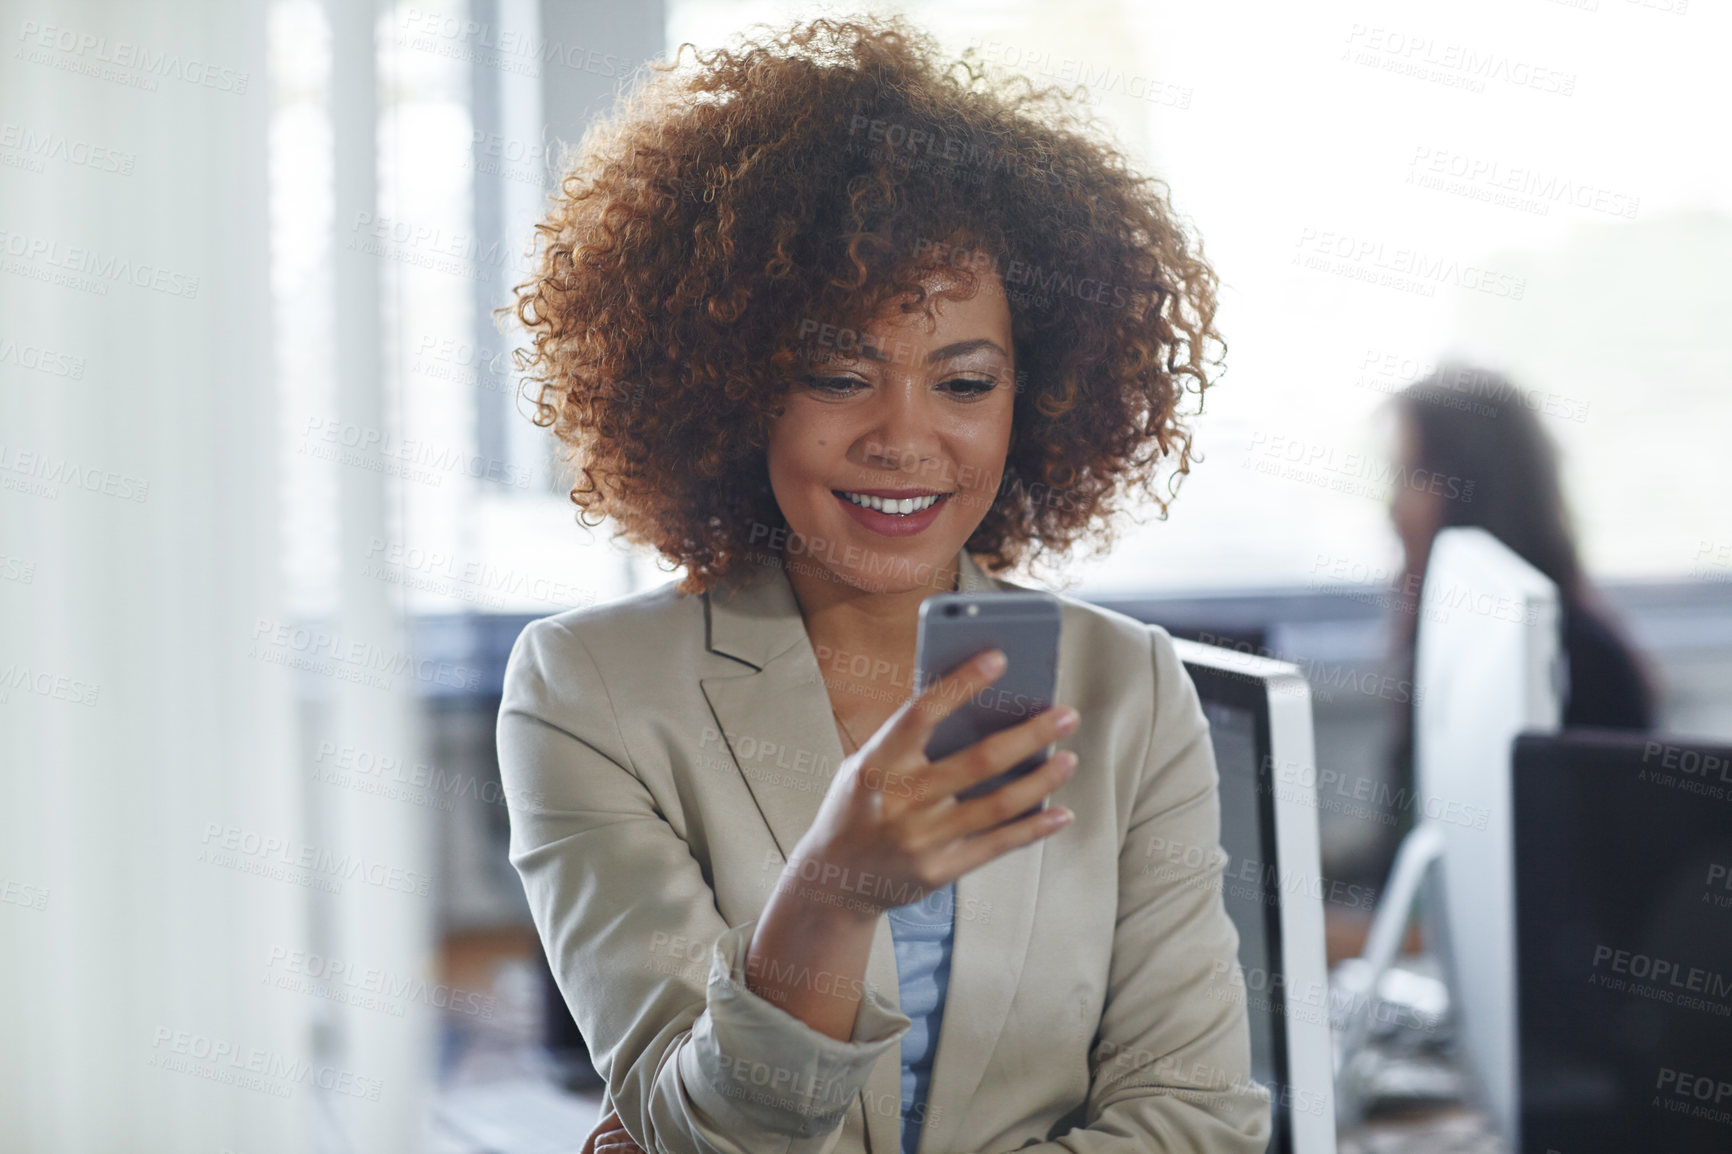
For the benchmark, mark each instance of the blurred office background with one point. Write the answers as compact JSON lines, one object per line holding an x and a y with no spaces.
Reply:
{"x":271,"y":514}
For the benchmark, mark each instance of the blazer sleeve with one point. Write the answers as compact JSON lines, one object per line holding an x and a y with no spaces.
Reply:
{"x":693,"y":1064}
{"x":1171,"y":1067}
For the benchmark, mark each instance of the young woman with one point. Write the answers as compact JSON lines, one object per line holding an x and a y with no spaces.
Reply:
{"x":837,"y":328}
{"x":1474,"y":430}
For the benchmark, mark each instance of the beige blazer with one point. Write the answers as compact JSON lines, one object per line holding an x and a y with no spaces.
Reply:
{"x":663,"y":753}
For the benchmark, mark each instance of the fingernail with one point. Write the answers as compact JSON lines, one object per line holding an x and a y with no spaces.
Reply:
{"x":1062,"y":816}
{"x":993,"y":662}
{"x":1067,"y":718}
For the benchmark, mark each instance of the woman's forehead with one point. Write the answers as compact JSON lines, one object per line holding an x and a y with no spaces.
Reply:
{"x":942,"y":328}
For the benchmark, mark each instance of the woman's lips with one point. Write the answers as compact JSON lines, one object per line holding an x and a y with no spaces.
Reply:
{"x":888,"y":524}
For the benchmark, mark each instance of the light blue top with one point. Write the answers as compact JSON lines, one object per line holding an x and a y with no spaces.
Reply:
{"x":923,"y":932}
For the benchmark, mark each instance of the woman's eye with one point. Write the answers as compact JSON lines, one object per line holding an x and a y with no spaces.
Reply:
{"x":832,"y":384}
{"x":959,"y":386}
{"x":971,"y":386}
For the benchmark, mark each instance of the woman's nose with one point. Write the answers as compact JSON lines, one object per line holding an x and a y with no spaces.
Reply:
{"x":903,"y":433}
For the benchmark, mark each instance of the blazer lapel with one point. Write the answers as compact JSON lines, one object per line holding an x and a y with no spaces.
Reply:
{"x":781,"y":701}
{"x":775,"y":719}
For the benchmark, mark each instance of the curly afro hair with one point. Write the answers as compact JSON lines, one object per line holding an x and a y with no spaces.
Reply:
{"x":714,"y":235}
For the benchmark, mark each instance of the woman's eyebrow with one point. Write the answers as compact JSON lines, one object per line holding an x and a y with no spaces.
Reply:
{"x":959,"y":348}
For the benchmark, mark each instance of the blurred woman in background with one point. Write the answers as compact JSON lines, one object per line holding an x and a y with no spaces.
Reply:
{"x":1473,"y":425}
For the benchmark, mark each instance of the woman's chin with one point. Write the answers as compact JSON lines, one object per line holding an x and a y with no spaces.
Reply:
{"x":877,"y":566}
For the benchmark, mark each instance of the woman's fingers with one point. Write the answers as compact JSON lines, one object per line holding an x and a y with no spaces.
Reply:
{"x":605,"y":1131}
{"x":973,"y":852}
{"x":911,"y":727}
{"x":963,"y":819}
{"x":610,"y":1137}
{"x":930,"y":832}
{"x":997,"y":752}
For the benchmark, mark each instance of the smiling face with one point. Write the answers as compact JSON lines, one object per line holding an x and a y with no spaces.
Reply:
{"x":892,"y":448}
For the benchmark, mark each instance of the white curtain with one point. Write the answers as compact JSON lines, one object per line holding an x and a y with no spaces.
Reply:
{"x":163,"y":857}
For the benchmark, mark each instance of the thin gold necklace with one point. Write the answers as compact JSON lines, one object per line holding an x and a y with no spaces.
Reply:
{"x":845,"y":730}
{"x":955,"y":585}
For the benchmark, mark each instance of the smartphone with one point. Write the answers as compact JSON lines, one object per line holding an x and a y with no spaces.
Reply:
{"x":955,"y":627}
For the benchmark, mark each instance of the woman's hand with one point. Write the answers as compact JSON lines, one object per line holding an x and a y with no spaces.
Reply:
{"x":892,"y":814}
{"x":610,"y":1137}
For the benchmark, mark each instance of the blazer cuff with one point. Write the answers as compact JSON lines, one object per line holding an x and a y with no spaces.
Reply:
{"x":749,"y":1057}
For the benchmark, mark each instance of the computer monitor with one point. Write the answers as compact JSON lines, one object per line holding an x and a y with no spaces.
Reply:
{"x":1486,"y":667}
{"x":1259,"y":714}
{"x":1623,"y":898}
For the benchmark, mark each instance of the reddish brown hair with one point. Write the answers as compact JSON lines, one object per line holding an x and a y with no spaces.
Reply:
{"x":706,"y":233}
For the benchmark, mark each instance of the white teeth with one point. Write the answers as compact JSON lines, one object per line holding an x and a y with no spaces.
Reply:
{"x":900,"y":508}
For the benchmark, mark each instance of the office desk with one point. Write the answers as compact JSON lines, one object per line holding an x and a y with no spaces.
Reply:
{"x":1451,"y":1130}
